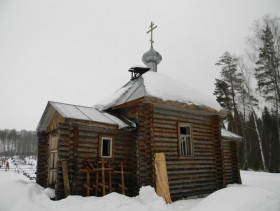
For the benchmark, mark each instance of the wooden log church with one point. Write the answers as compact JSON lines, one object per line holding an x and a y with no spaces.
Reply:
{"x":112,"y":146}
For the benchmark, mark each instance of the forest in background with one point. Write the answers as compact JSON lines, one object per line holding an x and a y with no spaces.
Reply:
{"x":249,"y":89}
{"x":22,"y":143}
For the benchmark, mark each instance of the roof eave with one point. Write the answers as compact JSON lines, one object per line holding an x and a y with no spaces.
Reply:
{"x":46,"y":117}
{"x":230,"y":138}
{"x":150,"y":99}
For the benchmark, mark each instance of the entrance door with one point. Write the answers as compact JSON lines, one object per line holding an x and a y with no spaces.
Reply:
{"x":52,"y":172}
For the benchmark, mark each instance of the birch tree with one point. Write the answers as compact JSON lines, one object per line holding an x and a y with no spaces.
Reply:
{"x":264,"y":52}
{"x":251,"y":103}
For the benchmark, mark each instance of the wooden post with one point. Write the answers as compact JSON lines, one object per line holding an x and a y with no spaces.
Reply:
{"x":87,"y":185}
{"x":103,"y":185}
{"x":122,"y":173}
{"x":96,"y":183}
{"x":110,"y":177}
{"x":103,"y":179}
{"x":100,"y":170}
{"x":162,"y":185}
{"x":64,"y":164}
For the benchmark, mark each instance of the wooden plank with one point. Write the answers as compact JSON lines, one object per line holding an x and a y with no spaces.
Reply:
{"x":65,"y":177}
{"x":162,"y":185}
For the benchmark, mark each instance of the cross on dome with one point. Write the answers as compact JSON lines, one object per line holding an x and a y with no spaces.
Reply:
{"x":152,"y":58}
{"x":151,"y":30}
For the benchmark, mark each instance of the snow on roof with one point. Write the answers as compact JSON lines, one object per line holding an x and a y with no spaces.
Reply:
{"x":112,"y":99}
{"x":161,"y":86}
{"x":230,"y":135}
{"x":167,"y":88}
{"x":81,"y":113}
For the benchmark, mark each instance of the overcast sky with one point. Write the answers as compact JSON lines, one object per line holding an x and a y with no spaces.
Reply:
{"x":79,"y":52}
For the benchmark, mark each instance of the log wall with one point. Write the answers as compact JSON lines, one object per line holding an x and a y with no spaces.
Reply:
{"x":64,"y":153}
{"x":157,"y":126}
{"x":142,"y":115}
{"x":190,"y":175}
{"x":42,"y":163}
{"x":230,"y":162}
{"x":79,"y":142}
{"x":157,"y":131}
{"x":218,"y":152}
{"x":145,"y":151}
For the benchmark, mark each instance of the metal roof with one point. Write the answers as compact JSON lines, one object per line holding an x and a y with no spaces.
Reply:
{"x":78,"y":112}
{"x":136,"y":90}
{"x":230,"y":135}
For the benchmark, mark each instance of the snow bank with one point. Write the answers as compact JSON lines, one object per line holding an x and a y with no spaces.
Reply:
{"x":240,"y":197}
{"x":148,"y":196}
{"x":259,"y":192}
{"x":18,"y":193}
{"x":22,"y":195}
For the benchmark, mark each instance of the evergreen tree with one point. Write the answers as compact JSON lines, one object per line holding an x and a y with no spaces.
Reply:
{"x":254,"y":153}
{"x":267,"y":72}
{"x":228,"y":87}
{"x":270,"y":137}
{"x":222,"y":93}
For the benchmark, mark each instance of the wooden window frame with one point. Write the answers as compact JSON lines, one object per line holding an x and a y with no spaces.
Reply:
{"x":188,"y":153}
{"x":111,"y":147}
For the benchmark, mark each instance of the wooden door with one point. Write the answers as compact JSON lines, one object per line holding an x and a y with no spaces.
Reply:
{"x":52,"y":167}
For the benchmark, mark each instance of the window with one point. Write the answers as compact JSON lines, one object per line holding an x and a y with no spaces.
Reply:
{"x":106,"y":147}
{"x":185,"y":140}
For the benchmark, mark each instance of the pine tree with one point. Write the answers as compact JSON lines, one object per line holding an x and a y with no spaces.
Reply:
{"x":254,"y":153}
{"x":229,"y":86}
{"x":267,"y":72}
{"x":222,"y":93}
{"x":270,"y":137}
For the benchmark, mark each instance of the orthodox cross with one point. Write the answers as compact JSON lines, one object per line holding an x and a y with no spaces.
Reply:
{"x":151,"y":30}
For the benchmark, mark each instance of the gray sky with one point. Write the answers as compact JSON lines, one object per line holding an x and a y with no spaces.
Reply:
{"x":79,"y":52}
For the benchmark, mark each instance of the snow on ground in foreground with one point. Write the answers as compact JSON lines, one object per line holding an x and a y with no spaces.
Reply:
{"x":259,"y":192}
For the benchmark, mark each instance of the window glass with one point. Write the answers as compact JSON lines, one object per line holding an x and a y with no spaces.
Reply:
{"x":183,"y":130}
{"x":106,"y":147}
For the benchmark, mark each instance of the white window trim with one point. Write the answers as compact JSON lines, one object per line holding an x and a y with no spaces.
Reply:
{"x":111,"y":147}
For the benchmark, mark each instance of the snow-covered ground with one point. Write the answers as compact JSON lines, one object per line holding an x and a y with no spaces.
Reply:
{"x":259,"y":192}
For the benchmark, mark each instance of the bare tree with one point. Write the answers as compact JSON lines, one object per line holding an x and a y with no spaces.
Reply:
{"x":264,"y":53}
{"x":251,"y":105}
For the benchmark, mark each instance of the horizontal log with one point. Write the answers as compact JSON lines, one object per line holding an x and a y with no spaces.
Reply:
{"x":193,"y":180}
{"x":187,"y":171}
